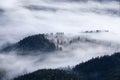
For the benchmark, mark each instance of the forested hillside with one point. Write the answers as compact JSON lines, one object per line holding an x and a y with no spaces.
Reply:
{"x":32,"y":43}
{"x":101,"y":68}
{"x":51,"y":75}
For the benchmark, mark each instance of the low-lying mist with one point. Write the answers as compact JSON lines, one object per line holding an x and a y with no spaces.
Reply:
{"x":21,"y":18}
{"x":13,"y":64}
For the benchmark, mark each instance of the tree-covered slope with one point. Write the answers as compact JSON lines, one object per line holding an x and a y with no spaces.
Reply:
{"x":32,"y":43}
{"x":101,"y":68}
{"x":51,"y":75}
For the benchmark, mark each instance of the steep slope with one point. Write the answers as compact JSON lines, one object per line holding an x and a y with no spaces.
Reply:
{"x":101,"y":68}
{"x":32,"y":43}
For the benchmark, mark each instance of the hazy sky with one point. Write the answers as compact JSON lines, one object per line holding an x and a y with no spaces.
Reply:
{"x":21,"y":17}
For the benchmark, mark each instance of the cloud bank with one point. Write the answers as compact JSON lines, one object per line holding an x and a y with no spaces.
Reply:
{"x":20,"y":18}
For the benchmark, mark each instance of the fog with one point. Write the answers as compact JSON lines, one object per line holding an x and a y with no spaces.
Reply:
{"x":15,"y":65}
{"x":21,"y":18}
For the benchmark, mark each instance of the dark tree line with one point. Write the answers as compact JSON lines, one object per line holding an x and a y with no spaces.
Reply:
{"x":100,"y":68}
{"x":50,"y":74}
{"x":32,"y":43}
{"x":36,"y":42}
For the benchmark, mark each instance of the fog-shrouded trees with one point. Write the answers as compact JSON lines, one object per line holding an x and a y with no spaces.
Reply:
{"x":101,"y":68}
{"x":32,"y":43}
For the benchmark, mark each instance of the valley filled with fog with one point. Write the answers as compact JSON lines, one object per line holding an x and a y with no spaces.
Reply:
{"x":95,"y":22}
